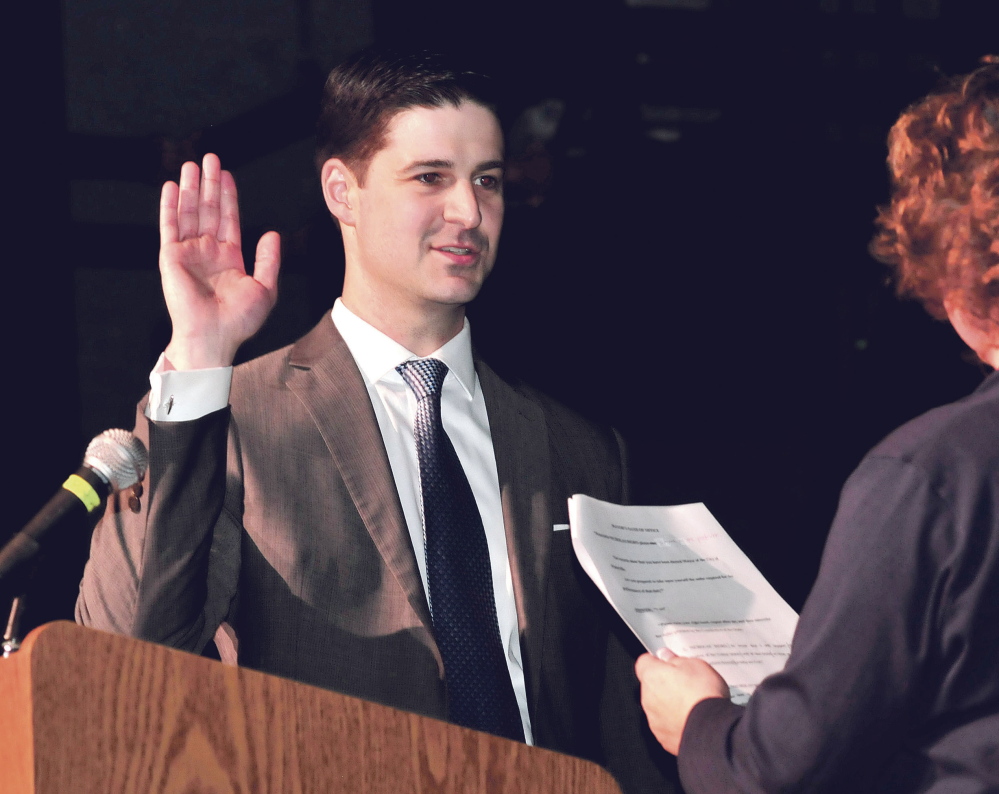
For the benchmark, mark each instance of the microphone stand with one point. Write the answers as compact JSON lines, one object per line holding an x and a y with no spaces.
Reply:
{"x":15,"y":592}
{"x":11,"y":636}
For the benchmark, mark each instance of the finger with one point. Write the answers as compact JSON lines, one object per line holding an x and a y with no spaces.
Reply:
{"x":665,"y":654}
{"x":211,"y":188}
{"x":187,"y":204}
{"x":268,"y":261}
{"x":229,"y":210}
{"x":168,"y":213}
{"x":645,"y":664}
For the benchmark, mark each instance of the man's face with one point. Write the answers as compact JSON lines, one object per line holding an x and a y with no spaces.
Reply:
{"x":426,"y":223}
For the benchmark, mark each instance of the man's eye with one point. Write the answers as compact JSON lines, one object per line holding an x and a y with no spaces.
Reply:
{"x":487,"y":181}
{"x":429,"y":179}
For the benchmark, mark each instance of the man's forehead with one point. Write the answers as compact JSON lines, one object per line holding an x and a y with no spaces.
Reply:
{"x":426,"y":134}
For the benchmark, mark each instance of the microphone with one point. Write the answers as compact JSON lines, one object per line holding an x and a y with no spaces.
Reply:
{"x":114,"y":460}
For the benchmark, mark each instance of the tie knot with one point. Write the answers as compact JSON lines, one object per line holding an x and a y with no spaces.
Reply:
{"x":424,"y":376}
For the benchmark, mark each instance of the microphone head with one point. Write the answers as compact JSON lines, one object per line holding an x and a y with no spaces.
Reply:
{"x":117,"y":456}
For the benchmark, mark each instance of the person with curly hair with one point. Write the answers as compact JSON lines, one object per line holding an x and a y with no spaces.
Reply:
{"x":893,"y":679}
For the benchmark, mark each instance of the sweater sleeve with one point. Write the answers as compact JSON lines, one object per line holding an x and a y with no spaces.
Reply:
{"x":852,"y":684}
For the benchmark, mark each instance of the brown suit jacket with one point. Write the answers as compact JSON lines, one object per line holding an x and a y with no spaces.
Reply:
{"x":276,"y":528}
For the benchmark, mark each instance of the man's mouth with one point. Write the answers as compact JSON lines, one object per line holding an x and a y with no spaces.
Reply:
{"x":454,"y":249}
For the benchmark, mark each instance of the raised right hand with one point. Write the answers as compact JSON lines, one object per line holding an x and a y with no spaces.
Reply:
{"x":214,"y":304}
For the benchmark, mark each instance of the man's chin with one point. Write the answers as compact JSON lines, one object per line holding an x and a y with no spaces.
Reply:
{"x":455,"y":300}
{"x":461,"y":289}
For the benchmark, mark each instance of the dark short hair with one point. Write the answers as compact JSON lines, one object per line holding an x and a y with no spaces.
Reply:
{"x":365,"y":92}
{"x":940,"y":232}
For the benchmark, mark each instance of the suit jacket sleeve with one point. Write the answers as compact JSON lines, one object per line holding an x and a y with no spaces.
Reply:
{"x":167,"y":572}
{"x":591,"y":460}
{"x":632,"y":753}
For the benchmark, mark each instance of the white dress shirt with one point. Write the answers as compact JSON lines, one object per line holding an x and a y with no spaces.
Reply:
{"x":177,"y":396}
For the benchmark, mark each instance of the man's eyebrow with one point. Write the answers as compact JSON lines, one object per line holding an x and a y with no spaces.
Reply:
{"x":448,"y":165}
{"x":419,"y":164}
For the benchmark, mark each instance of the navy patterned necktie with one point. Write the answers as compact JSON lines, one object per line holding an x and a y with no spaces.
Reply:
{"x":462,"y":604}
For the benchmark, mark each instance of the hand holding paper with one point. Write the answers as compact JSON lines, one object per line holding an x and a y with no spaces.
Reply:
{"x":670,"y":689}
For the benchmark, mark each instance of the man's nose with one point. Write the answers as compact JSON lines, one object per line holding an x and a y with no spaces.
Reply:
{"x":462,"y":206}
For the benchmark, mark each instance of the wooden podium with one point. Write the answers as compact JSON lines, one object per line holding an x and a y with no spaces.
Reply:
{"x":86,"y":711}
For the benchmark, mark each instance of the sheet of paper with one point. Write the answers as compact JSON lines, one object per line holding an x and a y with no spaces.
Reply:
{"x":680,"y":582}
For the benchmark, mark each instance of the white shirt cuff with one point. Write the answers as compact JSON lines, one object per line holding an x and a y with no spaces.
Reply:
{"x":179,"y":396}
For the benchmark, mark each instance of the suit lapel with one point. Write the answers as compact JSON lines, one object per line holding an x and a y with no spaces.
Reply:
{"x":520,"y":441}
{"x":326,"y":379}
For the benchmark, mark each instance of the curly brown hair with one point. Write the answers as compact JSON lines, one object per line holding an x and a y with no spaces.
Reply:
{"x":940,"y":232}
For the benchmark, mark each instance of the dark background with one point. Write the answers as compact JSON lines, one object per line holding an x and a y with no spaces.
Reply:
{"x":684,"y":255}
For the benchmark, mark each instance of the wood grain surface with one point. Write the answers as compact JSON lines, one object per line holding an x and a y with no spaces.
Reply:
{"x":89,"y":711}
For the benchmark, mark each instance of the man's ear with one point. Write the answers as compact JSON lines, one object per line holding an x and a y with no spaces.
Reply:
{"x":339,"y":186}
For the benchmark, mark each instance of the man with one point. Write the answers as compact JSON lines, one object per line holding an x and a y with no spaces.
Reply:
{"x":293,"y":517}
{"x":892,"y":681}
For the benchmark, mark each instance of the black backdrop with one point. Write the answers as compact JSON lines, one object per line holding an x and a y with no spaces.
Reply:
{"x":700,"y":242}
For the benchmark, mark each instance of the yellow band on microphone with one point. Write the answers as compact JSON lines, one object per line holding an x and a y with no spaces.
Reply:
{"x":83,"y":491}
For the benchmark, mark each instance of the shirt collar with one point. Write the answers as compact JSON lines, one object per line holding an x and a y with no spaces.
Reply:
{"x":377,"y":355}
